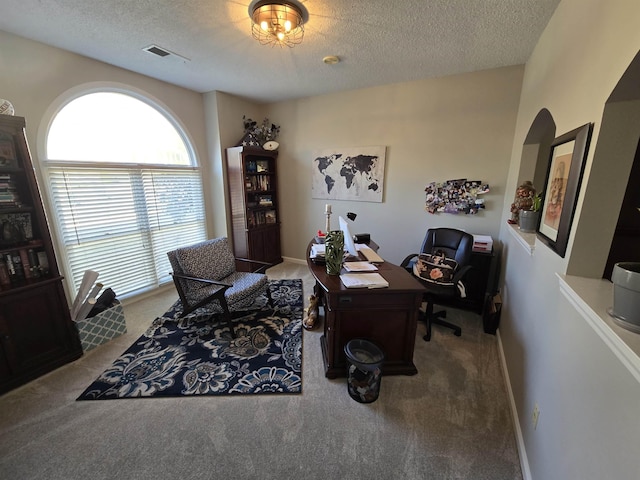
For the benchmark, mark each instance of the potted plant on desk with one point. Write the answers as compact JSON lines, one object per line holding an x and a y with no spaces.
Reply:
{"x":529,"y":217}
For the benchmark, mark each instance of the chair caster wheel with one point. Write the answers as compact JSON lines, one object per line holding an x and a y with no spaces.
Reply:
{"x":427,"y":338}
{"x":457,"y":333}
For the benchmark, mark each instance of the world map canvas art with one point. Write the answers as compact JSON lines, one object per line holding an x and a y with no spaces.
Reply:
{"x":354,"y":173}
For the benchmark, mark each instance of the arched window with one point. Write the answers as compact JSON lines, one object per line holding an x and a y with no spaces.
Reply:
{"x":125,"y":189}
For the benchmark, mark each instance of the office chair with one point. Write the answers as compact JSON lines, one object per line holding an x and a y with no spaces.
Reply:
{"x":456,"y":245}
{"x":205,"y":275}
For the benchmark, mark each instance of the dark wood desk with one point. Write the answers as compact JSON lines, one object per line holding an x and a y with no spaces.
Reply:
{"x":386,"y":316}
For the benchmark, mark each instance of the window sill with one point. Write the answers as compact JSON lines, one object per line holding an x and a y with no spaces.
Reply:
{"x":525,"y":240}
{"x":592,"y":297}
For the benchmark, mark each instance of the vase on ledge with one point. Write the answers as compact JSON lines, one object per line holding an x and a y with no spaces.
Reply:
{"x":626,"y":295}
{"x":334,"y":251}
{"x":528,"y":220}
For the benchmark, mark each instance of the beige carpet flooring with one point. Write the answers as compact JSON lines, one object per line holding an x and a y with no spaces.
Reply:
{"x":450,"y":421}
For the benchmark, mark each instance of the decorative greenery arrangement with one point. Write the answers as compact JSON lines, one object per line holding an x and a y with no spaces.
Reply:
{"x":536,"y":203}
{"x":528,"y":218}
{"x":262,"y":133}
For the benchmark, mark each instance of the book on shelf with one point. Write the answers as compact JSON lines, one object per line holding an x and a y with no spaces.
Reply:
{"x":26,"y":264}
{"x":22,"y":264}
{"x":14,"y":266}
{"x":34,"y":264}
{"x":262,"y":218}
{"x":363,"y":280}
{"x":5,"y":280}
{"x":265,"y":200}
{"x":9,"y":196}
{"x":258,"y":183}
{"x":43,"y":261}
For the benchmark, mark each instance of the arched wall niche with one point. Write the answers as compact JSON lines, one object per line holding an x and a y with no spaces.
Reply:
{"x":536,"y":149}
{"x":535,"y":155}
{"x":613,"y":159}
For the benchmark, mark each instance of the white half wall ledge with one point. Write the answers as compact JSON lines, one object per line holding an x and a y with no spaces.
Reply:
{"x":525,"y":240}
{"x":592,"y":297}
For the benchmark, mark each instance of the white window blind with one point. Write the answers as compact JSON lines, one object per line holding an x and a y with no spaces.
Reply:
{"x":124,"y":188}
{"x":121,"y":222}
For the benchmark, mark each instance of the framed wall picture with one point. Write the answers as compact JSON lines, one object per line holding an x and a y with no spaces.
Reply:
{"x":562,"y":186}
{"x":352,"y":173}
{"x":7,"y":153}
{"x":15,"y":228}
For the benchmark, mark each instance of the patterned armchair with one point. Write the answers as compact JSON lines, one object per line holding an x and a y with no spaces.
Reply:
{"x":205,"y":275}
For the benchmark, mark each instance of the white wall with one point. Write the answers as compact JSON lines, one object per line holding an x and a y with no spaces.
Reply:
{"x":35,"y":77}
{"x":224,"y":114}
{"x":434,"y":130}
{"x":588,"y":427}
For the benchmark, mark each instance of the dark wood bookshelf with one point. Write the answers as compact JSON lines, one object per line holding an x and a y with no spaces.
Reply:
{"x":37,"y":334}
{"x":253,"y":197}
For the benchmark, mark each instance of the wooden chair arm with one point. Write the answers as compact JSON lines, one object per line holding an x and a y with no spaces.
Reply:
{"x":203,"y":280}
{"x":264,"y":265}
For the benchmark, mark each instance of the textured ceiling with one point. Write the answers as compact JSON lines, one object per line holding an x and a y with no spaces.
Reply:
{"x":378,"y":41}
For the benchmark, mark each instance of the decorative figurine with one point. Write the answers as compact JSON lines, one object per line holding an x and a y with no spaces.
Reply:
{"x":327,"y":212}
{"x":523,"y":201}
{"x":309,"y":322}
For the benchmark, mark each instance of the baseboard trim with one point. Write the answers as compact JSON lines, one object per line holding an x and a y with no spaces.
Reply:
{"x":522,"y":452}
{"x":299,"y":261}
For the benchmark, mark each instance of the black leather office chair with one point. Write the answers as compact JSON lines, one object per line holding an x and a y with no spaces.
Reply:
{"x":457,"y":245}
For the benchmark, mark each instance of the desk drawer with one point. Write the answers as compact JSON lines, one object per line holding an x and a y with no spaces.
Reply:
{"x":347,"y":301}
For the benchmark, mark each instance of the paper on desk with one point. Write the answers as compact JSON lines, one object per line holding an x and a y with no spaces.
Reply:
{"x":360,"y":267}
{"x":363,"y":280}
{"x":369,"y":253}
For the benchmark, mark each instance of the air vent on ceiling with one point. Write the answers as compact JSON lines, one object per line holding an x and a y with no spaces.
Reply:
{"x":164,"y":53}
{"x":156,"y":50}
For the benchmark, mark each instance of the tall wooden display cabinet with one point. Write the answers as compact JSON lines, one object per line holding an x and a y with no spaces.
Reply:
{"x":253,"y":196}
{"x":37,"y":334}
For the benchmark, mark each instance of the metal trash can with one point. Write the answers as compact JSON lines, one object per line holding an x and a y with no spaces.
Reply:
{"x":364,"y":360}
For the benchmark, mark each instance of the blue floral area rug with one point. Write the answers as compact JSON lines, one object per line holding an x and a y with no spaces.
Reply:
{"x":196,"y":355}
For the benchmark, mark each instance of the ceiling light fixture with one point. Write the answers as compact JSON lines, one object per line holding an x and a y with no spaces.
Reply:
{"x":277,"y":23}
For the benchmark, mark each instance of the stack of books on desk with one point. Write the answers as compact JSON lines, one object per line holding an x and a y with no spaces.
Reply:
{"x":317,"y":251}
{"x":482,"y":243}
